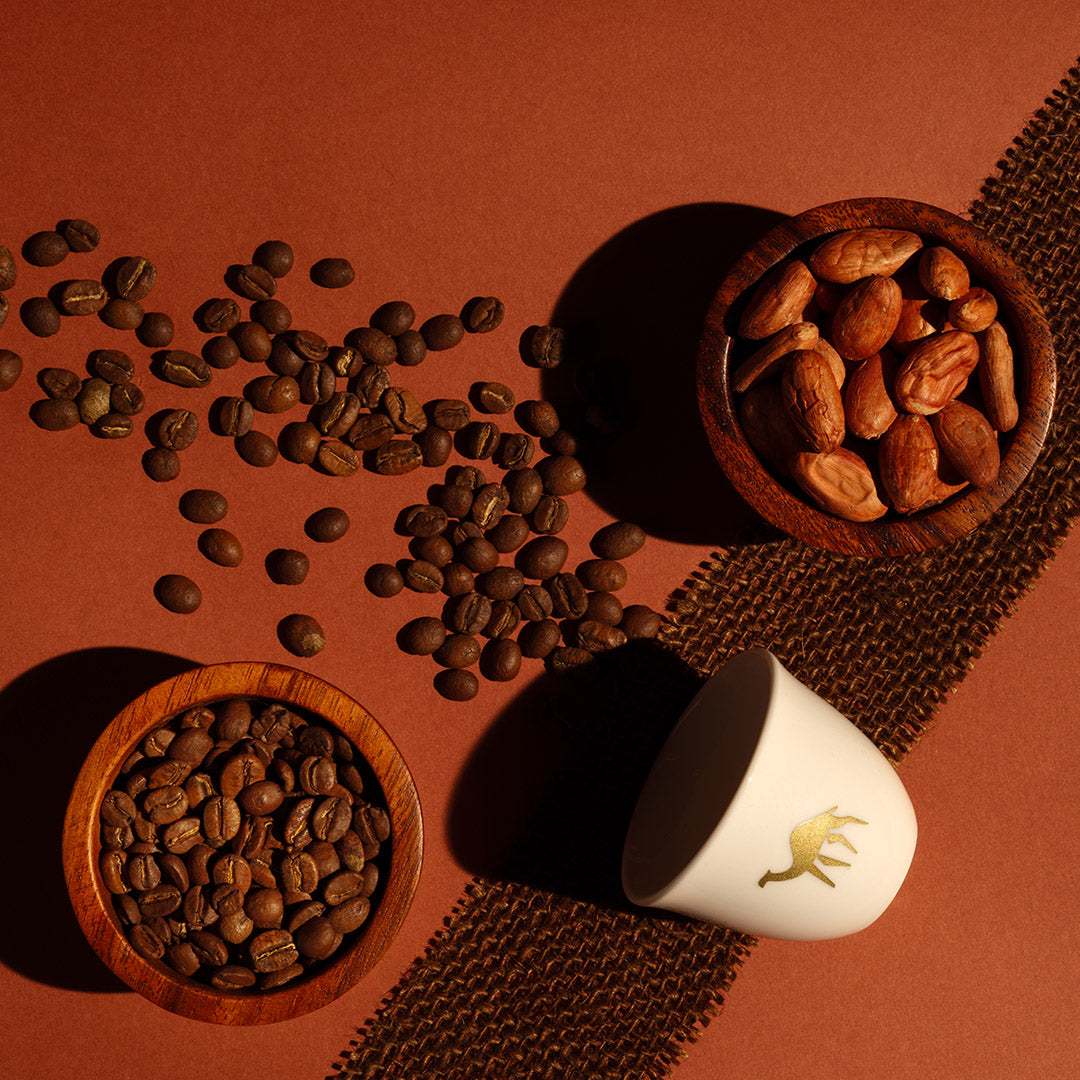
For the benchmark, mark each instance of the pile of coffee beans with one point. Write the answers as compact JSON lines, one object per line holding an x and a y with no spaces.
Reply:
{"x":241,"y":843}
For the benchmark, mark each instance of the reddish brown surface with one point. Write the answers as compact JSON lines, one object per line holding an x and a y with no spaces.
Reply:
{"x":606,"y":156}
{"x":788,"y":508}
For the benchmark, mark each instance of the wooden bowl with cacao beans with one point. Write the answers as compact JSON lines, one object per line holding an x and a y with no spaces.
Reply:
{"x":876,"y":377}
{"x":242,"y":843}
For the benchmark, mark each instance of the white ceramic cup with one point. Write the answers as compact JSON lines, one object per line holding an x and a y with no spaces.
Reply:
{"x":769,"y":812}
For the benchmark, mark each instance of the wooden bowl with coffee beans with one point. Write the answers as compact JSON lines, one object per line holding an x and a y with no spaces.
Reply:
{"x":242,"y":843}
{"x":876,"y":377}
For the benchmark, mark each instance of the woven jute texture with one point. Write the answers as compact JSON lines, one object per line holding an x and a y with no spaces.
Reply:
{"x":542,"y":970}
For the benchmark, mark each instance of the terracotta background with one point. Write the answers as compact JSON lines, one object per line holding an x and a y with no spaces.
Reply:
{"x":451,"y":150}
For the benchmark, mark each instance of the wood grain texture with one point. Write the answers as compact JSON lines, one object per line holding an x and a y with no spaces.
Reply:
{"x":785,"y":506}
{"x":81,"y":842}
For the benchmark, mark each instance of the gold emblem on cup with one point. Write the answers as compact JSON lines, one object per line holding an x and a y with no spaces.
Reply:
{"x":807,"y":841}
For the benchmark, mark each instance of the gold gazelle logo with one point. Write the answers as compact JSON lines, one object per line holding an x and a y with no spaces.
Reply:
{"x":807,"y":841}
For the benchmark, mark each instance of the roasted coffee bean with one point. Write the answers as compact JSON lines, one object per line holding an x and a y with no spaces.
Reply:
{"x":598,"y":636}
{"x":286,"y":566}
{"x":333,"y":273}
{"x":509,"y":533}
{"x":8,"y":271}
{"x":261,"y":798}
{"x":220,"y":820}
{"x":464,"y":530}
{"x":351,"y":914}
{"x":563,"y":443}
{"x":156,"y":330}
{"x":345,"y":361}
{"x":457,"y":579}
{"x":113,"y":426}
{"x":177,"y":429}
{"x":330,"y":819}
{"x":342,"y":886}
{"x":253,"y":341}
{"x":239,"y":770}
{"x":327,"y":525}
{"x":284,"y":359}
{"x":178,"y":594}
{"x":370,"y":431}
{"x":183,"y":835}
{"x":421,"y":636}
{"x":492,"y":397}
{"x":468,"y":476}
{"x":505,"y":619}
{"x":272,"y":315}
{"x":274,"y":256}
{"x":318,"y":383}
{"x":82,"y":297}
{"x":218,"y":316}
{"x":442,"y":332}
{"x":397,"y":457}
{"x":174,"y":871}
{"x":422,"y":520}
{"x":135,"y":277}
{"x":384,"y":579}
{"x":253,"y":282}
{"x":501,"y":583}
{"x":159,"y":900}
{"x":126,"y":399}
{"x":543,"y":346}
{"x":458,"y":651}
{"x":118,"y":809}
{"x":183,"y":368}
{"x":603,"y":575}
{"x":393,"y":318}
{"x":478,"y":439}
{"x":112,"y":864}
{"x":93,"y":399}
{"x":180,"y":956}
{"x":538,"y":418}
{"x":604,"y":607}
{"x":501,"y":660}
{"x":373,"y":345}
{"x":273,"y":393}
{"x":411,"y":348}
{"x":564,"y":658}
{"x":455,"y":499}
{"x":404,"y":410}
{"x":543,"y":557}
{"x":478,"y":554}
{"x":256,"y":448}
{"x":156,"y":743}
{"x":122,"y":314}
{"x":209,"y":948}
{"x":197,"y":862}
{"x":191,"y":745}
{"x":265,"y":907}
{"x":450,"y":414}
{"x":537,"y":639}
{"x":534,"y":602}
{"x":369,"y":384}
{"x":39,"y":316}
{"x":232,"y":415}
{"x":335,"y":416}
{"x":454,"y":684}
{"x":514,"y":451}
{"x":233,"y":977}
{"x":59,"y":383}
{"x":317,"y":938}
{"x":311,"y":346}
{"x":468,"y":614}
{"x":165,"y":805}
{"x":221,"y":352}
{"x":161,"y":464}
{"x":146,"y":942}
{"x":299,"y":442}
{"x":482,"y":314}
{"x":80,"y":235}
{"x":489,"y":504}
{"x":301,"y":635}
{"x":618,"y":540}
{"x":337,"y":458}
{"x":525,"y":489}
{"x":550,"y":515}
{"x":568,"y":596}
{"x":45,"y":248}
{"x":639,"y":622}
{"x":561,"y":475}
{"x":203,"y":506}
{"x":435,"y":445}
{"x":5,"y":307}
{"x":422,"y":576}
{"x":221,"y":546}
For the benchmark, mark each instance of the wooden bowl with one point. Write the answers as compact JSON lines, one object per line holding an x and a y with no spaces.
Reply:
{"x":783,"y":504}
{"x":93,"y":903}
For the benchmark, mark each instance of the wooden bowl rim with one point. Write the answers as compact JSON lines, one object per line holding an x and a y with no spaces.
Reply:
{"x":81,"y":841}
{"x":1032,"y":344}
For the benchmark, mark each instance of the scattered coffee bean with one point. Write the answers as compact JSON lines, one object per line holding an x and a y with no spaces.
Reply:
{"x":543,"y":557}
{"x":468,"y":614}
{"x":640,"y":621}
{"x":565,"y":658}
{"x":82,"y":297}
{"x":177,"y":429}
{"x":218,"y":316}
{"x":10,"y":368}
{"x":135,"y":277}
{"x":39,"y":316}
{"x":604,"y":607}
{"x":156,"y":330}
{"x":404,"y":410}
{"x":301,"y":635}
{"x":112,"y":365}
{"x":422,"y":520}
{"x":550,"y":514}
{"x":287,"y":566}
{"x":397,"y":457}
{"x":458,"y":579}
{"x":161,"y":464}
{"x":253,"y":282}
{"x":121,"y":314}
{"x":538,"y":418}
{"x":299,"y":442}
{"x":80,"y":235}
{"x":458,"y":651}
{"x":93,"y":399}
{"x":568,"y":596}
{"x":273,"y":393}
{"x":370,"y":431}
{"x":318,"y":383}
{"x":525,"y":489}
{"x":537,"y":639}
{"x":274,"y":256}
{"x":505,"y":619}
{"x":514,"y":451}
{"x":411,"y":348}
{"x":221,"y":546}
{"x":8,"y":271}
{"x":272,"y":315}
{"x":457,"y":684}
{"x":257,"y":448}
{"x":509,"y":534}
{"x":336,"y":458}
{"x":433,"y":549}
{"x":618,"y":540}
{"x":384,"y":580}
{"x":333,"y":273}
{"x":373,"y":345}
{"x":311,"y":346}
{"x":598,"y":636}
{"x":55,"y":414}
{"x":203,"y":506}
{"x":478,"y":440}
{"x":327,"y":525}
{"x":534,"y":603}
{"x":393,"y":318}
{"x":45,"y":248}
{"x":221,"y":352}
{"x":500,"y":660}
{"x":489,"y":504}
{"x":253,"y":341}
{"x":603,"y":575}
{"x":492,"y":397}
{"x":435,"y":445}
{"x":478,"y":553}
{"x":543,"y":346}
{"x":482,"y":314}
{"x":501,"y":583}
{"x":178,"y":594}
{"x":182,"y":368}
{"x":421,"y":576}
{"x":113,"y":426}
{"x":422,"y":636}
{"x":561,"y":475}
{"x":59,"y":382}
{"x":127,"y":399}
{"x":442,"y":332}
{"x":232,"y":416}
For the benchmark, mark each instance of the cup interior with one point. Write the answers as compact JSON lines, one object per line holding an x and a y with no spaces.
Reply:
{"x":697,"y":774}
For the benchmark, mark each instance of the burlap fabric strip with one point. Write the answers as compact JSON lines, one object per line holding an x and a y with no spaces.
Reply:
{"x":546,"y":972}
